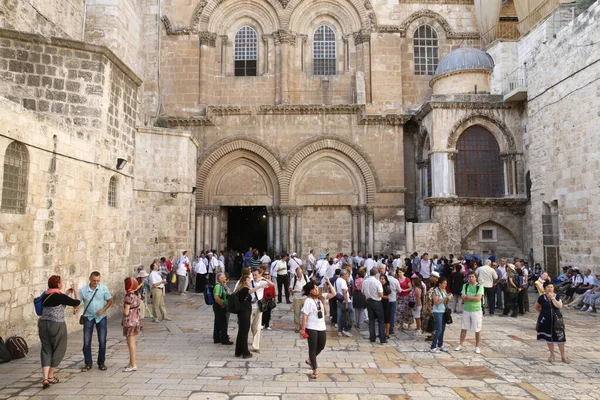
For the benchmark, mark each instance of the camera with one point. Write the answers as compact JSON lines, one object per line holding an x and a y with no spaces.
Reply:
{"x":320,"y":314}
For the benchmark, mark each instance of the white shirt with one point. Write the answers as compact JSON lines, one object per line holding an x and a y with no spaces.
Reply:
{"x":340,"y":285}
{"x":296,"y":284}
{"x":331,"y":270}
{"x":274,"y":269}
{"x":200,"y":267}
{"x":589,"y":280}
{"x":293,"y":263}
{"x":311,"y":308}
{"x":486,"y":276}
{"x":369,"y":263}
{"x":258,"y":295}
{"x":265,"y":259}
{"x":213,"y":263}
{"x":394,"y":287}
{"x":425,"y":271}
{"x":154,"y":278}
{"x":181,"y":269}
{"x":371,"y":288}
{"x":322,"y":268}
{"x":501,"y":272}
{"x":310,"y":262}
{"x":576,"y":279}
{"x":281,"y":268}
{"x":222,"y":258}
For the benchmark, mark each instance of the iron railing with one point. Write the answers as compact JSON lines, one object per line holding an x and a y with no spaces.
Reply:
{"x":514,"y":80}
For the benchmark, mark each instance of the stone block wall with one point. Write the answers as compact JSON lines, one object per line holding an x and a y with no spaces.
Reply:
{"x":164,"y":205}
{"x":74,"y":107}
{"x":327,"y":227}
{"x":562,"y":131}
{"x":61,"y":18}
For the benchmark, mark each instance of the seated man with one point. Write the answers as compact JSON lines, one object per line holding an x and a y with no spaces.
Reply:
{"x":591,"y":298}
{"x":588,"y":283}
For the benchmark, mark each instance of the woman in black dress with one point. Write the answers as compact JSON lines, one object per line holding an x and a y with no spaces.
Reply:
{"x":385,"y":302}
{"x":550,"y":325}
{"x":244,"y":292}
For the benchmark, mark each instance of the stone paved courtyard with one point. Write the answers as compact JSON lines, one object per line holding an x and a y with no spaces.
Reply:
{"x":178,"y":360}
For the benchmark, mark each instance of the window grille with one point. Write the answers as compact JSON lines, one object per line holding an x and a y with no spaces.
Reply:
{"x":112,"y":192}
{"x":14,"y":183}
{"x":245,"y":52}
{"x":426,"y":51}
{"x":487,"y":234}
{"x":479,"y":171}
{"x":324,"y":51}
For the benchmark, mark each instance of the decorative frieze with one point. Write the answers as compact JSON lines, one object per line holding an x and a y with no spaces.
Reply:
{"x":392,"y":189}
{"x":283,"y":36}
{"x":284,"y":3}
{"x":197,"y":12}
{"x":450,"y":33}
{"x":388,"y":28}
{"x":362,"y":36}
{"x":305,"y":109}
{"x":207,"y":38}
{"x":171,"y":30}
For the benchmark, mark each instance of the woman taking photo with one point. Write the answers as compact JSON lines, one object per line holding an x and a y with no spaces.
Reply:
{"x":440,"y":301}
{"x":52,"y":327}
{"x":550,"y":325}
{"x":131,"y":321}
{"x":313,"y":325}
{"x":244,"y":293}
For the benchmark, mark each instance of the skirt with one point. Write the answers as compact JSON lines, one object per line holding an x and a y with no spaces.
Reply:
{"x":403,"y":312}
{"x":132,"y":331}
{"x":550,"y":329}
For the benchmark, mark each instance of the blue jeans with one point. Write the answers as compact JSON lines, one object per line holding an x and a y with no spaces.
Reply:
{"x":440,"y":328}
{"x":392,"y":316}
{"x":88,"y":331}
{"x":341,"y":308}
{"x":499,"y":293}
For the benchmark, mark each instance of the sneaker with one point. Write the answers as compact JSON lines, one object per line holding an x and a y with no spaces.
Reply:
{"x":340,"y":334}
{"x":458,"y":348}
{"x":167,"y":319}
{"x":591,"y":309}
{"x":336,"y":325}
{"x":418,"y":333}
{"x":477,"y":350}
{"x":584,"y":308}
{"x":347,"y":334}
{"x":436,"y":350}
{"x":443,"y":348}
{"x":269,"y":328}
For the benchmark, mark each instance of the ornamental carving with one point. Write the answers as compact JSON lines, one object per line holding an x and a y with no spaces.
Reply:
{"x":425,"y":13}
{"x":305,"y":109}
{"x":388,"y":28}
{"x":197,"y":12}
{"x":372,"y":19}
{"x":171,"y":30}
{"x":368,"y":5}
{"x":362,"y":36}
{"x":284,"y":3}
{"x":514,"y":205}
{"x":388,"y":119}
{"x":283,"y":36}
{"x":207,"y":38}
{"x":392,"y":189}
{"x":224,"y":40}
{"x":508,"y":136}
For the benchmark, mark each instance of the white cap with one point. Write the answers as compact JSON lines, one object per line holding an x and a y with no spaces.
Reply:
{"x":209,"y":253}
{"x":293,"y":254}
{"x":335,"y":260}
{"x":142,"y":274}
{"x":435,"y":273}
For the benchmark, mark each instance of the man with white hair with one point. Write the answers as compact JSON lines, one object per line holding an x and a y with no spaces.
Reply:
{"x":335,"y":264}
{"x":293,"y":263}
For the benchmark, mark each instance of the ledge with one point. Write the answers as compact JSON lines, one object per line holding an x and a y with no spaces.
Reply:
{"x":515,"y":205}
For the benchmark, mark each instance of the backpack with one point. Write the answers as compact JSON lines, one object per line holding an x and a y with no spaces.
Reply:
{"x":37,"y":304}
{"x":17,"y":346}
{"x":476,"y":289}
{"x":518,"y":280}
{"x":209,"y":298}
{"x":234,"y":305}
{"x":296,"y":279}
{"x":4,"y":353}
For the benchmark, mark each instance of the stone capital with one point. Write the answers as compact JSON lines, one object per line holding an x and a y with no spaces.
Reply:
{"x":283,"y":36}
{"x":207,"y":38}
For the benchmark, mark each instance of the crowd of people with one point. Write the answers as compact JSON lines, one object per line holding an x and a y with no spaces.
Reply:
{"x":417,"y":294}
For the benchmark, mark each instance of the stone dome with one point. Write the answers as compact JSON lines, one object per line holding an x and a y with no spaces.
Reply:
{"x":464,"y":58}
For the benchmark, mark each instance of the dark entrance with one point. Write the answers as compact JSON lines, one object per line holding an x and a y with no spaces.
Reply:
{"x":247,"y":226}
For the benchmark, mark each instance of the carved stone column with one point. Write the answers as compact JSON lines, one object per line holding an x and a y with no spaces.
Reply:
{"x":362,"y":229}
{"x":215,"y":229}
{"x":354,"y":211}
{"x":206,"y":236}
{"x":442,"y":173}
{"x":277,"y":230}
{"x":199,"y":231}
{"x":284,"y":231}
{"x":371,"y":230}
{"x":509,"y":164}
{"x":299,"y":231}
{"x":284,"y":42}
{"x":270,"y":231}
{"x":291,"y":214}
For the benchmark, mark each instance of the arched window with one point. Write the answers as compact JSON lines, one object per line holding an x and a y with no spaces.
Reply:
{"x":112,"y":192}
{"x":479,"y":171}
{"x":324,"y":53}
{"x":246,"y":52}
{"x":14,"y":183}
{"x":426,"y":51}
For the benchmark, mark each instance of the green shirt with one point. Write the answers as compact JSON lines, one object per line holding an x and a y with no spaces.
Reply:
{"x":219,"y":290}
{"x":471,"y":291}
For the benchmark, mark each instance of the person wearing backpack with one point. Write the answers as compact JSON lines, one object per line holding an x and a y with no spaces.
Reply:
{"x":220,"y":309}
{"x":472,"y":318}
{"x":244,"y":293}
{"x":512,"y":290}
{"x":52,"y":327}
{"x":298,"y":282}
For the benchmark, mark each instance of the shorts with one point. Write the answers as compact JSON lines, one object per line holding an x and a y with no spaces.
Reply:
{"x":472,"y":321}
{"x":416,"y":312}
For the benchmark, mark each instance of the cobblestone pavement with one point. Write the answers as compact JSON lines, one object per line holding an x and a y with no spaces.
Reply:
{"x":178,"y":360}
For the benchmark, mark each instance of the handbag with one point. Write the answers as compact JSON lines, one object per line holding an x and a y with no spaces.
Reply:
{"x":82,"y":318}
{"x":271,"y":303}
{"x":429,"y":324}
{"x":173,"y":279}
{"x":262,"y":305}
{"x":448,"y":316}
{"x":346,"y":320}
{"x":412,"y":300}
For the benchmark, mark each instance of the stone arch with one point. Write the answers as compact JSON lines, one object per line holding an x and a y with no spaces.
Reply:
{"x":342,"y":14}
{"x":501,"y":131}
{"x":499,"y":244}
{"x":215,"y":12}
{"x":212,"y":155}
{"x":260,"y":183}
{"x":335,"y":162}
{"x":511,"y":224}
{"x":423,"y":141}
{"x":426,"y":16}
{"x":306,"y":149}
{"x":355,"y":8}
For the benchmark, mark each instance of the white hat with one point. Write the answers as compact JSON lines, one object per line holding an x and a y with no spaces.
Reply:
{"x":293,"y":254}
{"x":209,"y":253}
{"x":335,"y":260}
{"x":142,"y":274}
{"x":435,"y":273}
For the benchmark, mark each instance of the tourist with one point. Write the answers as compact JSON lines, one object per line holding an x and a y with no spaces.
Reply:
{"x":310,"y":262}
{"x":342,"y":288}
{"x":283,"y":279}
{"x":418,"y":296}
{"x":539,"y":283}
{"x":212,"y":267}
{"x":259,"y":283}
{"x":244,"y":293}
{"x":373,"y":291}
{"x":501,"y":284}
{"x":359,"y":301}
{"x":182,"y":271}
{"x":486,"y":275}
{"x":96,"y":300}
{"x":298,"y":282}
{"x":201,"y":274}
{"x":273,"y":271}
{"x":440,"y":301}
{"x":472,"y":318}
{"x":588,"y":283}
{"x":265,"y":260}
{"x":157,"y":289}
{"x":525,"y":287}
{"x":369,"y":264}
{"x":425,"y":266}
{"x":320,"y":268}
{"x":220,"y":309}
{"x":269,"y":296}
{"x":394,"y":289}
{"x":255,"y":263}
{"x":385,"y":302}
{"x":293,"y":263}
{"x":313,"y":325}
{"x":550,"y":326}
{"x":403,"y":312}
{"x":512,"y":290}
{"x":519,"y":282}
{"x":52,"y":328}
{"x":427,"y":311}
{"x":131,"y":322}
{"x":458,"y":279}
{"x":162,"y":269}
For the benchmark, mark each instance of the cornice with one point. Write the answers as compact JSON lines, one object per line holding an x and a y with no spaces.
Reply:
{"x":460,"y":72}
{"x":391,"y":189}
{"x":515,"y":205}
{"x":302,"y":109}
{"x":388,"y":119}
{"x":485,"y":102}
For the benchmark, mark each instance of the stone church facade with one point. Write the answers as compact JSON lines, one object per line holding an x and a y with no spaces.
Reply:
{"x":130,"y":129}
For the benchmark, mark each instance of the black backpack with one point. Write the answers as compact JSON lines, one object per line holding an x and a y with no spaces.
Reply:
{"x":4,"y":353}
{"x":234,"y":305}
{"x":17,"y":346}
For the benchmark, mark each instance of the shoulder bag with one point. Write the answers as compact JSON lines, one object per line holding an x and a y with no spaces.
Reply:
{"x":82,"y":318}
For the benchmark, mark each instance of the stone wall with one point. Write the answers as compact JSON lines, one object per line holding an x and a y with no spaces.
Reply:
{"x":562,"y":122}
{"x":327,"y":227}
{"x":74,"y":108}
{"x":61,"y":18}
{"x":164,"y":205}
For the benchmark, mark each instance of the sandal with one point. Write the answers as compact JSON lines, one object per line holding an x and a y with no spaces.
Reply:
{"x":86,"y":368}
{"x":313,"y":376}
{"x":130,"y":368}
{"x":551,"y":359}
{"x":307,"y":362}
{"x":53,"y":380}
{"x":45,"y":384}
{"x":102,"y":367}
{"x":566,"y":360}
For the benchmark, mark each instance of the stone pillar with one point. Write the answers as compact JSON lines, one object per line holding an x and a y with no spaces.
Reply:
{"x":291,"y":230}
{"x":442,"y":173}
{"x":270,"y":231}
{"x":509,"y":165}
{"x":277,"y":230}
{"x":354,"y":211}
{"x":284,"y":231}
{"x":206,"y":236}
{"x":362,"y":225}
{"x":410,"y":238}
{"x":299,"y":231}
{"x":284,"y":42}
{"x":215,"y":230}
{"x":370,"y":228}
{"x":199,"y":231}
